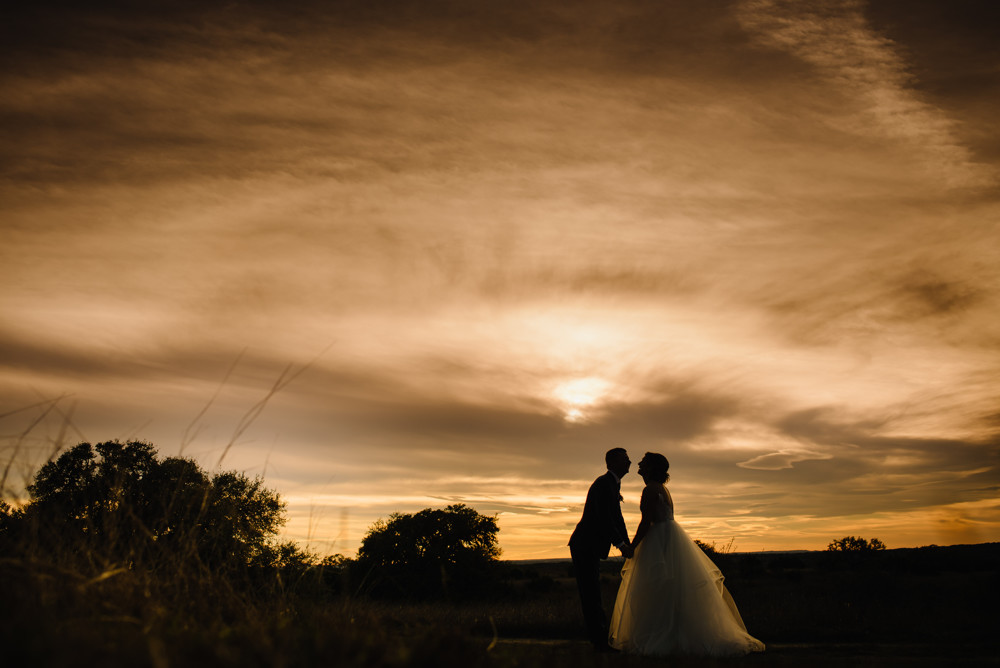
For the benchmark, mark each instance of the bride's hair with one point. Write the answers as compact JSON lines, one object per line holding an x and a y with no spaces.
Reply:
{"x":657,"y":466}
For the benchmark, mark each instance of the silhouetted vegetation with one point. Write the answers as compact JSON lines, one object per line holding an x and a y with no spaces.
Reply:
{"x":855,"y":544}
{"x":711,"y":549}
{"x":432,"y":553}
{"x":124,"y":559}
{"x":119,"y":504}
{"x":705,"y":547}
{"x":114,"y":537}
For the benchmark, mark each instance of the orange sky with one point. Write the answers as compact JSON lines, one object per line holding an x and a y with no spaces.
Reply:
{"x":497,"y":239}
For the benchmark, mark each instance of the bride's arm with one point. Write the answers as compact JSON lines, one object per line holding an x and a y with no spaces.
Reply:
{"x":644,"y":508}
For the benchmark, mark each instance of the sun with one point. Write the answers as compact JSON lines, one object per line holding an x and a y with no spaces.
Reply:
{"x":576,"y":396}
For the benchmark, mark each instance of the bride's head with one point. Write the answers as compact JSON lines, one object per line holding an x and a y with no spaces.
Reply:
{"x":654,"y":467}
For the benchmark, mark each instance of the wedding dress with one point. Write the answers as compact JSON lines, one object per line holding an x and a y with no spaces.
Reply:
{"x":672,"y":600}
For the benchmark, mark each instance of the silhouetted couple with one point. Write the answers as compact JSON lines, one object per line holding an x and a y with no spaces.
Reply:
{"x":671,"y":600}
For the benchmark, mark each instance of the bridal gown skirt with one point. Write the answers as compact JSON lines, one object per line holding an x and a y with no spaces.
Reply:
{"x":672,"y":601}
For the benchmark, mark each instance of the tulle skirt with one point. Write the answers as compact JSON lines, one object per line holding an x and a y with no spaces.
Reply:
{"x":672,"y":601}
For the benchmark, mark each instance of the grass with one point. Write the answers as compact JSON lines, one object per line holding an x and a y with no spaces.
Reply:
{"x":67,"y":601}
{"x":900,"y":607}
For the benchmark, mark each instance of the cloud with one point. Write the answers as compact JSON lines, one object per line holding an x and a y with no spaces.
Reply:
{"x":934,"y":295}
{"x":721,"y":217}
{"x":781,"y":460}
{"x":951,"y":54}
{"x":835,"y":37}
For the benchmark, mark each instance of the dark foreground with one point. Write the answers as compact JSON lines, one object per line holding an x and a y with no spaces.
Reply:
{"x":578,"y":653}
{"x":930,"y":606}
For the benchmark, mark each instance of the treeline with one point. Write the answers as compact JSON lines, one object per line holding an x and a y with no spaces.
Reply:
{"x":99,"y":512}
{"x":123,"y":558}
{"x":927,"y":560}
{"x":121,"y":553}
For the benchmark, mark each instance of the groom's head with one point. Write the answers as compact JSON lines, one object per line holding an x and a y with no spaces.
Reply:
{"x":617,"y":461}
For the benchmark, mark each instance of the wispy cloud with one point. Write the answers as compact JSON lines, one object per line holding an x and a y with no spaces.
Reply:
{"x":865,"y":68}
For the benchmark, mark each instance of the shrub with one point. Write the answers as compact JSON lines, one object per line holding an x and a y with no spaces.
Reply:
{"x":855,"y":544}
{"x":433,"y":552}
{"x":97,"y":508}
{"x":705,"y":547}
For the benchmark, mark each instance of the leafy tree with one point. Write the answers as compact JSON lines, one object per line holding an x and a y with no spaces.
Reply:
{"x":121,"y":502}
{"x":430,"y":553}
{"x":855,"y":544}
{"x":8,"y":517}
{"x":705,"y":547}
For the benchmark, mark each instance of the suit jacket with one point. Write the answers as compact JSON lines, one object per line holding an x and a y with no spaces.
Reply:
{"x":602,"y":524}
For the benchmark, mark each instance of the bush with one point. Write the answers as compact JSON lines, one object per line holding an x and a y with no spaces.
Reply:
{"x":118,"y":546}
{"x":119,"y":504}
{"x":705,"y":547}
{"x":854,"y":544}
{"x":433,"y":553}
{"x":8,"y":518}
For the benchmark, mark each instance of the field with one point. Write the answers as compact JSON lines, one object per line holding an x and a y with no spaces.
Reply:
{"x":929,"y":606}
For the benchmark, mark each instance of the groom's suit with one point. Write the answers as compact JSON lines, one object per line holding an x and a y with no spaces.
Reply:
{"x":601,"y":526}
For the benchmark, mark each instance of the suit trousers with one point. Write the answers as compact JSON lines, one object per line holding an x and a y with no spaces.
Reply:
{"x":587,"y":568}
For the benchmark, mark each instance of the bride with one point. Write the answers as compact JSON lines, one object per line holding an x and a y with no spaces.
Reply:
{"x":671,"y":599}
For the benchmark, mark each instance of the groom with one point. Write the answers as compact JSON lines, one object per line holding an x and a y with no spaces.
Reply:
{"x":600,"y":527}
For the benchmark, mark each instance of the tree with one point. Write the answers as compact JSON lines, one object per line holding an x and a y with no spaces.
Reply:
{"x":705,"y":547}
{"x":8,"y":518}
{"x":122,"y":502}
{"x":431,"y":553}
{"x":855,"y":544}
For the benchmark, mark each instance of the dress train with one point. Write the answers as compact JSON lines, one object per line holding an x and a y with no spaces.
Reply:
{"x":672,"y":601}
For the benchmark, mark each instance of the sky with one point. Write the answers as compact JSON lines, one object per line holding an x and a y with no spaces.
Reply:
{"x":395,"y":255}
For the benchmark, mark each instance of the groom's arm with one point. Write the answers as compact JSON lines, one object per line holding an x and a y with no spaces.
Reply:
{"x":611,"y":511}
{"x":626,"y":547}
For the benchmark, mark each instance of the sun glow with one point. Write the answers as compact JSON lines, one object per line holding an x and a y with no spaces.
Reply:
{"x":578,"y":395}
